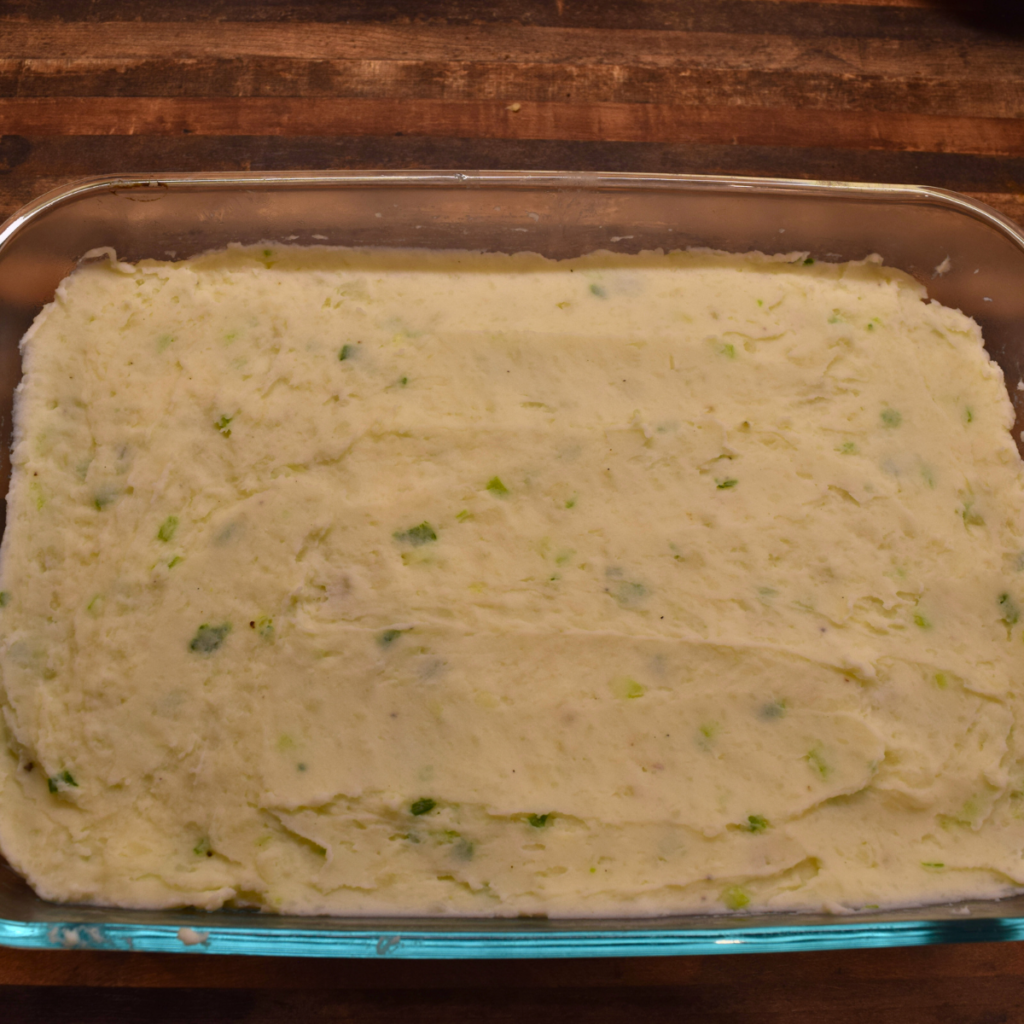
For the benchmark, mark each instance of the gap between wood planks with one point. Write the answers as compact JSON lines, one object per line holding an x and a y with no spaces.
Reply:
{"x":599,"y":122}
{"x":511,"y":82}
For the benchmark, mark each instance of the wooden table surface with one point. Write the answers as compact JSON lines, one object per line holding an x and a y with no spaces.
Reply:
{"x":916,"y":91}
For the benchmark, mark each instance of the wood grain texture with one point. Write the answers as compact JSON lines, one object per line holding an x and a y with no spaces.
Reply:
{"x":498,"y":119}
{"x":947,"y":985}
{"x":761,"y":972}
{"x":980,"y":984}
{"x":907,"y":91}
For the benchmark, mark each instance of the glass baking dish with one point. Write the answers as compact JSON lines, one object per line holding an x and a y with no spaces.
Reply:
{"x":966,"y":254}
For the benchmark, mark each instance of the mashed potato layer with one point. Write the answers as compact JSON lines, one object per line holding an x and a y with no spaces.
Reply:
{"x":360,"y":582}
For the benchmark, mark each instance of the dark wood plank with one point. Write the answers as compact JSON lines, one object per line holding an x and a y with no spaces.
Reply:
{"x":889,"y":18}
{"x":489,"y":119}
{"x":935,"y":1001}
{"x":505,"y":80}
{"x":90,"y":968}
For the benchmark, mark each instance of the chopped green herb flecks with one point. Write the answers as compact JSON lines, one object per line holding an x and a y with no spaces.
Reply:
{"x":941,"y":680}
{"x":163,"y":341}
{"x":346,"y":352}
{"x":765,"y":595}
{"x":727,"y":349}
{"x":209,"y":638}
{"x":970,"y":516}
{"x":174,"y":561}
{"x":921,"y":621}
{"x":817,"y":761}
{"x":724,"y":483}
{"x":5,"y":598}
{"x":891,"y":417}
{"x":538,"y":820}
{"x":599,"y":290}
{"x":627,"y":688}
{"x":389,"y":636}
{"x":968,"y":415}
{"x":402,"y":381}
{"x":464,"y":515}
{"x":736,"y":897}
{"x":1010,"y":610}
{"x":933,"y":865}
{"x":264,"y":626}
{"x":627,"y":594}
{"x":167,"y":528}
{"x":203,"y":848}
{"x":847,"y":448}
{"x":836,"y":317}
{"x":55,"y":783}
{"x":104,"y":498}
{"x":571,"y":503}
{"x":423,"y":806}
{"x":222,"y":425}
{"x":756,"y":823}
{"x":417,"y":536}
{"x":495,"y":486}
{"x":809,"y":261}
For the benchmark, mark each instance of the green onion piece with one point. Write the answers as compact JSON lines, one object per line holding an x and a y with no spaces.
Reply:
{"x":815,"y":759}
{"x":495,"y":486}
{"x":538,"y":820}
{"x":423,"y":806}
{"x":64,"y":778}
{"x":736,"y":897}
{"x":416,"y":535}
{"x":167,"y":528}
{"x":209,"y":638}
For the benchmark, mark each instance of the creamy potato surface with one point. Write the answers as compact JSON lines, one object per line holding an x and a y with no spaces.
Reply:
{"x":367,"y":582}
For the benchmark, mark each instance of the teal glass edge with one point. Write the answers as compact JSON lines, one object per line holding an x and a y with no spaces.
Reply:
{"x":480,"y":945}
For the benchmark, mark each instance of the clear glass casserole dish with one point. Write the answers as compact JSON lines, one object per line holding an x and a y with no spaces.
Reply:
{"x":967,"y":255}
